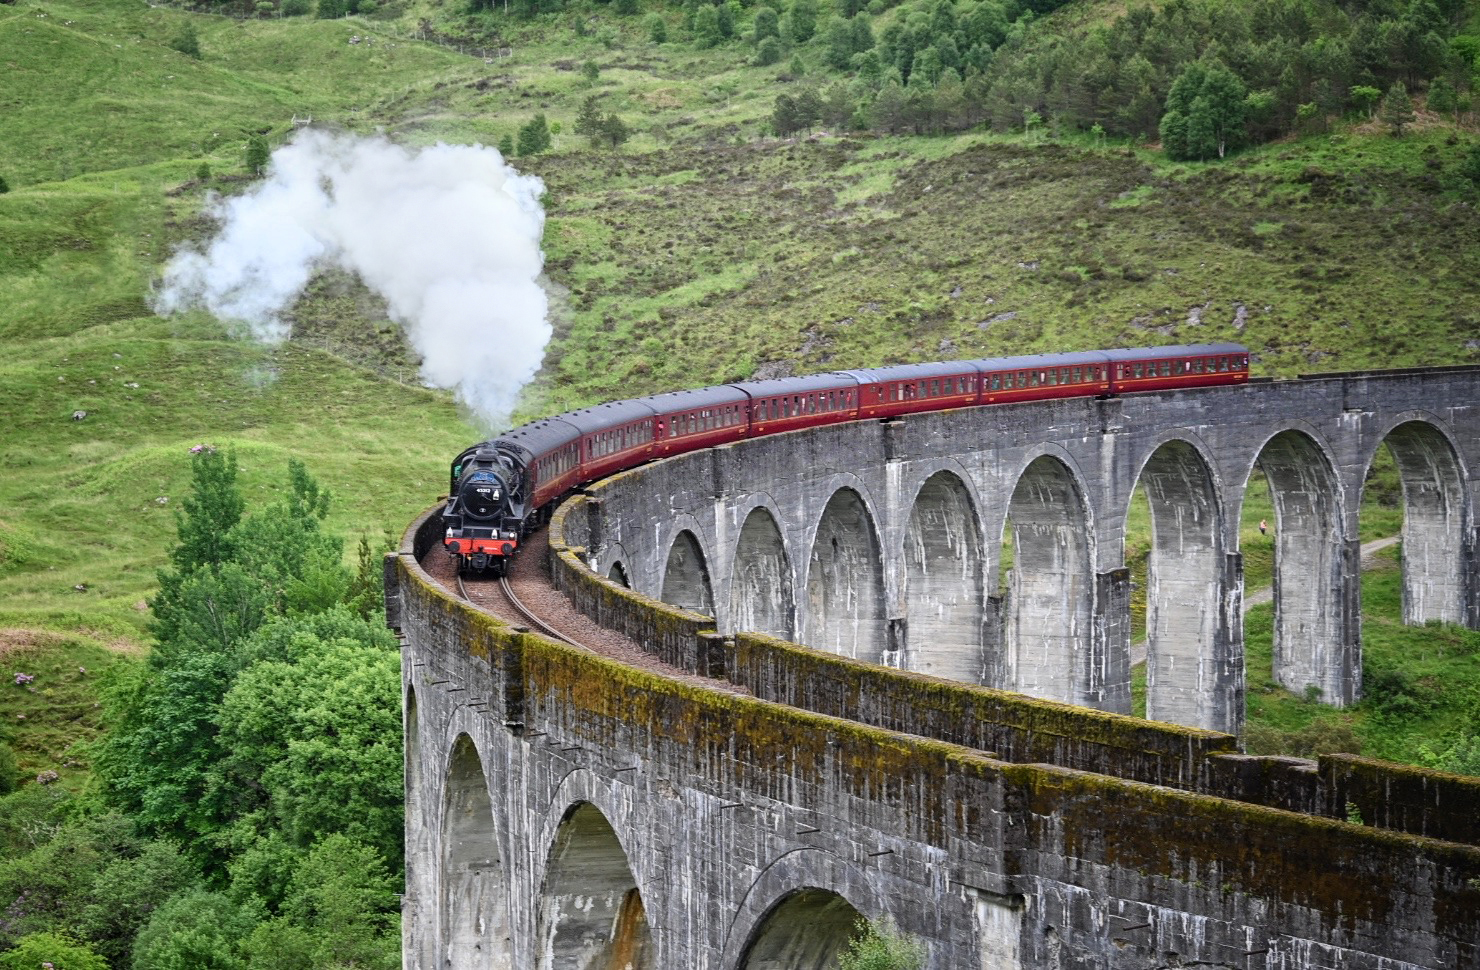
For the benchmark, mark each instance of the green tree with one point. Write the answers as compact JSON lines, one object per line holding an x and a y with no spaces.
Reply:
{"x":534,"y":136}
{"x":588,"y":119}
{"x":657,"y":28}
{"x":51,"y":950}
{"x":319,"y":738}
{"x":206,"y":517}
{"x":1365,"y":98}
{"x":768,"y":52}
{"x":1397,"y":109}
{"x":4,"y":185}
{"x":706,"y":28}
{"x":1442,"y":97}
{"x":195,"y":930}
{"x":627,"y":7}
{"x":590,"y":73}
{"x":1205,"y":112}
{"x":803,"y":14}
{"x":764,"y":23}
{"x":879,"y":946}
{"x":506,"y":146}
{"x":258,"y":154}
{"x":614,"y":131}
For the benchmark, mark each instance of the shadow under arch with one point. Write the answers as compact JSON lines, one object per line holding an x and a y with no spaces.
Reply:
{"x":1317,"y":608}
{"x":845,"y":582}
{"x":943,"y":584}
{"x":1434,"y":522}
{"x":476,"y":928}
{"x":1051,"y":587}
{"x":686,"y":576}
{"x":808,"y":929}
{"x":590,"y":913}
{"x":1187,"y":674}
{"x":618,"y":574}
{"x":761,"y":590}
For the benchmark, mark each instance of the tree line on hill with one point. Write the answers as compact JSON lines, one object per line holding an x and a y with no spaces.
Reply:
{"x":249,"y":810}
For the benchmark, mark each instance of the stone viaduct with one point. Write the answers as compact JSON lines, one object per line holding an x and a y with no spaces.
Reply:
{"x":564,"y":810}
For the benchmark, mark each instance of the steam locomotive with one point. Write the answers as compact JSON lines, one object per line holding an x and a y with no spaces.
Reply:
{"x":501,"y":489}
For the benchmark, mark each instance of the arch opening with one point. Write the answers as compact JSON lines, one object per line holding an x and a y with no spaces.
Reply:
{"x":1186,"y":679}
{"x":618,"y":574}
{"x":944,"y":582}
{"x":686,"y":576}
{"x":761,"y":595}
{"x":591,"y":914}
{"x":1433,"y":500}
{"x":807,"y":930}
{"x":476,"y":929}
{"x":1050,"y":588}
{"x":845,"y":583}
{"x":1314,"y":651}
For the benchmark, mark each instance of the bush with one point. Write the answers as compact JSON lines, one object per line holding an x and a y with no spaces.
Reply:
{"x":187,"y":42}
{"x":768,"y":52}
{"x":51,"y":950}
{"x":657,"y":28}
{"x":879,"y":946}
{"x":4,"y":185}
{"x":295,"y":8}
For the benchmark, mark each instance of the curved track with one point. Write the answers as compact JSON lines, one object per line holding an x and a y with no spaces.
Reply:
{"x":501,"y":593}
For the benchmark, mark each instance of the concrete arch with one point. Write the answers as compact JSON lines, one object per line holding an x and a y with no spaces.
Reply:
{"x":477,"y":933}
{"x":808,"y":930}
{"x":590,"y":913}
{"x":761,"y":590}
{"x":845,"y":582}
{"x":617,"y":573}
{"x":787,"y":876}
{"x":1187,"y":671}
{"x":1436,"y":518}
{"x":944,"y":588}
{"x":686,"y":575}
{"x":1317,"y":593}
{"x":1051,"y":592}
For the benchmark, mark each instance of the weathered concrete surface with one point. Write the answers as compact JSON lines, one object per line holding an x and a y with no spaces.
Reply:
{"x":786,"y":525}
{"x":567,"y":811}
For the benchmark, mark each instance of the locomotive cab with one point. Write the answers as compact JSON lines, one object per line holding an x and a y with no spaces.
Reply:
{"x":486,"y":508}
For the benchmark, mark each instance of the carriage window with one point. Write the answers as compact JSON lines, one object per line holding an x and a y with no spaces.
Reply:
{"x":1074,"y":375}
{"x":935,"y":388}
{"x":1166,"y":369}
{"x":1137,"y":369}
{"x":1222,"y":363}
{"x":996,"y":383}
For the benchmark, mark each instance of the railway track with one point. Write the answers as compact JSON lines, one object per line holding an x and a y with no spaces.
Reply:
{"x":501,"y":594}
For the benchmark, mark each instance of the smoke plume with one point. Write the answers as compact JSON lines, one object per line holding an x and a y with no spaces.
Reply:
{"x":449,"y":236}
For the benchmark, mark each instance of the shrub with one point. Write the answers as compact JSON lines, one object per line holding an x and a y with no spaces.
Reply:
{"x":187,"y":42}
{"x":657,"y":28}
{"x":768,"y":52}
{"x":295,"y":8}
{"x":51,"y":950}
{"x":879,"y":946}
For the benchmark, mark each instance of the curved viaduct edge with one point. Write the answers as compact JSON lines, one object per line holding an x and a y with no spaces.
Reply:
{"x":1052,"y":807}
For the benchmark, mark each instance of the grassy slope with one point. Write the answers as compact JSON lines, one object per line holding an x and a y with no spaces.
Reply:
{"x":702,"y":252}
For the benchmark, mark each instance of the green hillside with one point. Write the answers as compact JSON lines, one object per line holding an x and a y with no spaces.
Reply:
{"x":733,"y":190}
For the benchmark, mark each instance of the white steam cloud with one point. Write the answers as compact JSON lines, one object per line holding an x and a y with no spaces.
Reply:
{"x":449,"y":236}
